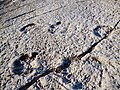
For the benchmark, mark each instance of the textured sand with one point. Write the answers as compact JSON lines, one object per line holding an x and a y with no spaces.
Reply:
{"x":60,"y":44}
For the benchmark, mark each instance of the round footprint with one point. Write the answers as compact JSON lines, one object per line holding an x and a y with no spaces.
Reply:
{"x":17,"y":67}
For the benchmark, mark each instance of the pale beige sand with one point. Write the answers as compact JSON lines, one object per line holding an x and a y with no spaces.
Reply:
{"x":48,"y":31}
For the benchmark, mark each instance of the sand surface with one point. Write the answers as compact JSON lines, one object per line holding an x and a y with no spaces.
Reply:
{"x":60,"y":44}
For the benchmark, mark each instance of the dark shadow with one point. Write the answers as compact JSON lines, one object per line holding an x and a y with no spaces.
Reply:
{"x":24,"y":27}
{"x":17,"y":67}
{"x":65,"y":64}
{"x":23,"y":57}
{"x":34,"y":54}
{"x":58,"y":23}
{"x":65,"y":80}
{"x":78,"y":85}
{"x":51,"y":29}
{"x":2,"y":2}
{"x":95,"y":31}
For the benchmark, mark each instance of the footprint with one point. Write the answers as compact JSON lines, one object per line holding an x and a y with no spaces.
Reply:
{"x":33,"y":55}
{"x":96,"y":31}
{"x":65,"y":80}
{"x":66,"y":77}
{"x":52,"y":29}
{"x":23,"y":29}
{"x":58,"y":23}
{"x":21,"y":64}
{"x":77,"y":86}
{"x":23,"y":57}
{"x":65,"y":64}
{"x":17,"y":66}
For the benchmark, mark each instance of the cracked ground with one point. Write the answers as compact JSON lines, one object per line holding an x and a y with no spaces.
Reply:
{"x":59,"y":45}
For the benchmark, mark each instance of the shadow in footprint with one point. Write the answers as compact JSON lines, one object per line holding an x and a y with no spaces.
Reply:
{"x":66,"y":77}
{"x":33,"y":55}
{"x":77,"y":86}
{"x":58,"y":23}
{"x":23,"y":29}
{"x":17,"y":67}
{"x":96,"y":31}
{"x":23,"y":57}
{"x":65,"y":80}
{"x":65,"y":64}
{"x":52,"y":29}
{"x":2,"y":2}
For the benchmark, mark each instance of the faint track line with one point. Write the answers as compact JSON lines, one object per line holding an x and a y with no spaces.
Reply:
{"x":20,"y":7}
{"x":5,"y":7}
{"x":16,"y":8}
{"x":5,"y":26}
{"x":29,"y":17}
{"x":52,"y":10}
{"x":20,"y":15}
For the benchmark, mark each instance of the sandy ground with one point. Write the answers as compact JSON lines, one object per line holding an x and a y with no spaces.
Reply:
{"x":60,"y":44}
